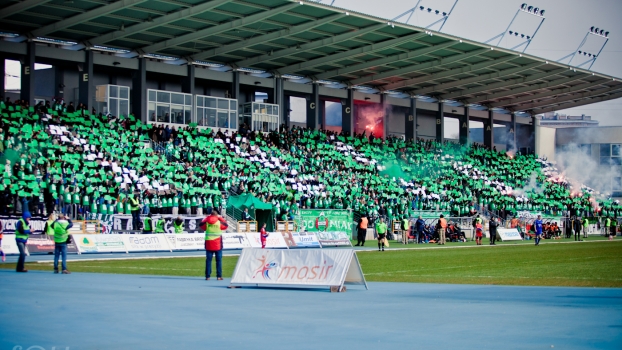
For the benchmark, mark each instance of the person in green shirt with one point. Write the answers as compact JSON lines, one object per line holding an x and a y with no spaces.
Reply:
{"x":61,"y":237}
{"x":381,"y":231}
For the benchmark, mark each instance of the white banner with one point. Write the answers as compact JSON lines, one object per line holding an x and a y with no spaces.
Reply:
{"x":274,"y":240}
{"x":143,"y":243}
{"x":301,"y":239}
{"x":509,"y":234}
{"x":236,"y":240}
{"x":8,"y":244}
{"x":302,"y":267}
{"x":186,"y":241}
{"x":333,"y":238}
{"x":99,"y":243}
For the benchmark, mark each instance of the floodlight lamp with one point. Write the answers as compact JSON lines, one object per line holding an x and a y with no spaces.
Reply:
{"x":422,"y":8}
{"x":530,"y":9}
{"x":515,"y":33}
{"x":429,"y":9}
{"x":522,"y":35}
{"x":511,"y":32}
{"x":437,"y":11}
{"x":606,"y":34}
{"x":592,"y":29}
{"x":602,"y":32}
{"x":528,"y":37}
{"x":579,"y":52}
{"x":523,"y":6}
{"x":444,"y":14}
{"x":596,"y":30}
{"x":536,"y":11}
{"x":589,"y":55}
{"x":542,"y":13}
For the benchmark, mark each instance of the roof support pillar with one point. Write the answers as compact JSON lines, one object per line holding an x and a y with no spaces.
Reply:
{"x":511,"y":134}
{"x":532,"y":139}
{"x":3,"y":72}
{"x":489,"y":130}
{"x":86,"y":90}
{"x":411,"y":120}
{"x":188,"y":82}
{"x":139,"y":91}
{"x":347,"y":114}
{"x":313,"y":107}
{"x":27,"y":91}
{"x":464,"y":126}
{"x":440,"y":123}
{"x":279,"y":99}
{"x":235,"y":86}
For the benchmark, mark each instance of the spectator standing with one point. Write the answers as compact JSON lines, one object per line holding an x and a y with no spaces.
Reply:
{"x":492,"y":230}
{"x":381,"y":230}
{"x":22,"y":230}
{"x":442,"y":228}
{"x":178,"y":225}
{"x":586,"y":224}
{"x":362,"y":230}
{"x":135,"y":209}
{"x":537,"y":225}
{"x":577,"y":228}
{"x":419,"y":227}
{"x":479,"y":232}
{"x":263,"y":235}
{"x":213,"y":224}
{"x":61,"y":238}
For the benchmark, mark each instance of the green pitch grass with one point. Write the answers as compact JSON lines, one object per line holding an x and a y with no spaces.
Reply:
{"x":594,"y":264}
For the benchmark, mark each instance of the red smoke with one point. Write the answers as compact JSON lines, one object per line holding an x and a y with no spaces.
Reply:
{"x":369,"y":118}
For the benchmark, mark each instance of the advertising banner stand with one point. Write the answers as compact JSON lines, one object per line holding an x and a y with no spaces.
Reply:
{"x":509,"y":234}
{"x":309,"y":268}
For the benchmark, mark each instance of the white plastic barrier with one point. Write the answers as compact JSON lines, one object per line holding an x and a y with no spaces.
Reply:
{"x":100,"y":243}
{"x":509,"y":234}
{"x":300,"y":268}
{"x":146,"y":243}
{"x":186,"y":241}
{"x":8,"y":244}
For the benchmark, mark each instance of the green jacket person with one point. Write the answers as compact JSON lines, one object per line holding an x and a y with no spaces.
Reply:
{"x":61,"y":237}
{"x":160,"y":225}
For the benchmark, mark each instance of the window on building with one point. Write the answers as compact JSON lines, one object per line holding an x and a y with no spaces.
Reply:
{"x":216,"y":112}
{"x":605,"y":150}
{"x":169,"y":107}
{"x":113,"y":100}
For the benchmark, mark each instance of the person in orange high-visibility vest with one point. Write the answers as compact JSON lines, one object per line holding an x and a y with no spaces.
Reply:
{"x":442,"y":228}
{"x":214,"y":225}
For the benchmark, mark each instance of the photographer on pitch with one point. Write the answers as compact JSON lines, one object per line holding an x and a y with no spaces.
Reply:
{"x":61,"y":238}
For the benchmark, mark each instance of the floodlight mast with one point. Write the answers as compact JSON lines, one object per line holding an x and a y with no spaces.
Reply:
{"x":593,"y":31}
{"x":443,"y":19}
{"x":534,"y":11}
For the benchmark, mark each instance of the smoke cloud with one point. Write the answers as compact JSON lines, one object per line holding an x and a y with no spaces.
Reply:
{"x":531,"y":187}
{"x":369,"y":119}
{"x":580,"y":169}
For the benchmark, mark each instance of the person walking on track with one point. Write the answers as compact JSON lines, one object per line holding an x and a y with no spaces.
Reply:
{"x":361,"y":231}
{"x":381,"y":230}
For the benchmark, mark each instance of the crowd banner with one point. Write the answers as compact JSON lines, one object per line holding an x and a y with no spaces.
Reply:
{"x":89,"y":243}
{"x":236,"y":240}
{"x":333,"y":239}
{"x":37,"y":223}
{"x":186,"y":241}
{"x":45,"y":244}
{"x":509,"y":234}
{"x":8,"y":244}
{"x":318,"y":220}
{"x":124,"y":223}
{"x":301,"y":239}
{"x":306,"y":268}
{"x":146,"y":243}
{"x":274,"y":240}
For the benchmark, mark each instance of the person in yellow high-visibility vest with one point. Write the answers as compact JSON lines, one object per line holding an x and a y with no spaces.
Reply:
{"x":61,"y":237}
{"x":178,"y":225}
{"x":214,"y":225}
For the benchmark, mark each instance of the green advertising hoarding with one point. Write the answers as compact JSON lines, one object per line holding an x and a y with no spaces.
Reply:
{"x":318,"y":220}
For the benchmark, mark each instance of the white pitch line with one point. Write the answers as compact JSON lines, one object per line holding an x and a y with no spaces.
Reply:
{"x":133,"y":258}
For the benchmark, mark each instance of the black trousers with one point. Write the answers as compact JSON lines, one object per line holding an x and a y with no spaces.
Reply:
{"x":577,"y":235}
{"x":493,"y":237}
{"x":360,"y":238}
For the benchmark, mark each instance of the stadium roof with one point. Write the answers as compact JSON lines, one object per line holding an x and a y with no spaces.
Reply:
{"x":311,"y":40}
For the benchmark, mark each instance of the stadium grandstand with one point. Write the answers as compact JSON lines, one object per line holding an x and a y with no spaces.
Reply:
{"x":160,"y":100}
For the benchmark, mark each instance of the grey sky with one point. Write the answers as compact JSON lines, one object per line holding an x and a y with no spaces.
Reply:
{"x":567,"y":22}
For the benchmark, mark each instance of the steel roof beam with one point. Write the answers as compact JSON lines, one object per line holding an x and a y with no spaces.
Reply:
{"x":579,"y":103}
{"x":20,"y":6}
{"x":502,"y":84}
{"x":525,"y":89}
{"x":515,"y":101}
{"x":478,"y":78}
{"x":590,"y":94}
{"x":309,"y":46}
{"x":267,"y":37}
{"x":166,"y":19}
{"x":353,"y":52}
{"x":217,"y":29}
{"x":448,"y":73}
{"x":404,"y":70}
{"x":85,"y":16}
